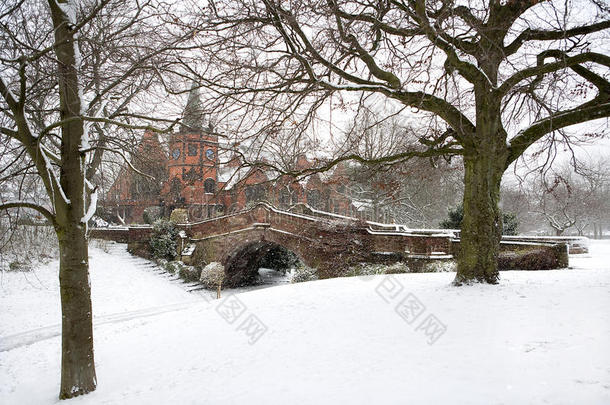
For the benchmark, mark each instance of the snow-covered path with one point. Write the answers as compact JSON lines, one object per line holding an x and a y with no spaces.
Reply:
{"x":538,"y":337}
{"x":123,"y":287}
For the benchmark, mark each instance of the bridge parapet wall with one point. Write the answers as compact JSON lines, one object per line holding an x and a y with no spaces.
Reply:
{"x":336,"y":236}
{"x":224,"y":224}
{"x":329,"y":231}
{"x":120,"y":235}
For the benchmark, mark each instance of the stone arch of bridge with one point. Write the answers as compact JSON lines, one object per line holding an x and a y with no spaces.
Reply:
{"x":243,"y":262}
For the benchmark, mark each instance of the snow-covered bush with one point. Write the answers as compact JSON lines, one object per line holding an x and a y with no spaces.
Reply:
{"x":510,"y":222}
{"x":163,"y":240}
{"x":18,"y":266}
{"x":151,"y":214}
{"x":303,"y":273}
{"x":189,"y":273}
{"x":533,"y":259}
{"x":440,"y":266}
{"x":26,"y":246}
{"x":212,"y":275}
{"x":371,"y":269}
{"x":172,"y":267}
{"x":179,"y":216}
{"x":396,"y":268}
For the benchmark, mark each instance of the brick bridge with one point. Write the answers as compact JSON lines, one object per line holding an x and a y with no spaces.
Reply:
{"x":328,"y":242}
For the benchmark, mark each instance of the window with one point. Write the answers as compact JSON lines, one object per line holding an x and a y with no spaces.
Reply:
{"x":209,"y":186}
{"x":285,"y":198}
{"x":255,"y":193}
{"x":192,"y":149}
{"x":313,"y":199}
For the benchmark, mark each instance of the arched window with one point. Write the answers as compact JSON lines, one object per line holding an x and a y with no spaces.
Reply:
{"x":285,"y":198}
{"x":255,"y":193}
{"x":209,"y":186}
{"x":313,"y":199}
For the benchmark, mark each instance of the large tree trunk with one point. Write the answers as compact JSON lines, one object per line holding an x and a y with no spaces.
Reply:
{"x":484,"y":164}
{"x":482,"y":223}
{"x":77,"y":365}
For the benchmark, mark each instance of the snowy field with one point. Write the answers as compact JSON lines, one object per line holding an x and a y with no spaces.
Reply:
{"x":538,"y":337}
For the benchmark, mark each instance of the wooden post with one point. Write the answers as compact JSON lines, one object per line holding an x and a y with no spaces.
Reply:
{"x":218,"y":291}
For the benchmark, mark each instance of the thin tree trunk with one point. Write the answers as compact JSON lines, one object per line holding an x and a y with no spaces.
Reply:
{"x":482,"y":223}
{"x":77,"y":363}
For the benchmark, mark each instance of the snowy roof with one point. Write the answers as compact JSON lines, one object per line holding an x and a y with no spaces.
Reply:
{"x":232,"y":175}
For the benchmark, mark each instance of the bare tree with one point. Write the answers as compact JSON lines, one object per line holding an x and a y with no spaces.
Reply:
{"x":412,"y":192}
{"x":489,"y":78}
{"x":72,"y":77}
{"x":572,"y":197}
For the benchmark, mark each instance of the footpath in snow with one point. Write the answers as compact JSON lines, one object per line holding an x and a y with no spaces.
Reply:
{"x":122,"y":287}
{"x":537,"y":337}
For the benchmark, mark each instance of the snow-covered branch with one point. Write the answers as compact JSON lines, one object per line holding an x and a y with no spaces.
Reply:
{"x":29,"y":204}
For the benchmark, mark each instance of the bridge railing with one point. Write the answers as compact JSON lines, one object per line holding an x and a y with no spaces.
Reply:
{"x":378,"y":237}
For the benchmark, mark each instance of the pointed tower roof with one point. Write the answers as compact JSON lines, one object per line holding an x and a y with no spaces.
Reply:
{"x":193,"y":116}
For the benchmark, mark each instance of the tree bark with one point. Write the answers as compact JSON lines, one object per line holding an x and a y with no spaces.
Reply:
{"x":77,"y":363}
{"x":482,"y":224}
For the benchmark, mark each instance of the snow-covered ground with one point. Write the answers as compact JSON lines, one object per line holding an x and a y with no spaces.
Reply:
{"x":537,"y":337}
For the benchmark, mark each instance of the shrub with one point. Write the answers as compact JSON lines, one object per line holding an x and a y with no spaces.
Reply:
{"x":455,"y":217}
{"x":303,"y":273}
{"x":372,"y":269}
{"x":18,"y":266}
{"x":212,"y":275}
{"x":440,"y":266}
{"x":151,"y":214}
{"x":396,"y":268}
{"x":179,"y":216}
{"x":510,"y":222}
{"x":534,"y":259}
{"x":189,"y":273}
{"x":365,"y":269}
{"x":26,"y":245}
{"x":163,"y":240}
{"x":172,"y":267}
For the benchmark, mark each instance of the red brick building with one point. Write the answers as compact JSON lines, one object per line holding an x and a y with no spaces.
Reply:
{"x":190,"y":174}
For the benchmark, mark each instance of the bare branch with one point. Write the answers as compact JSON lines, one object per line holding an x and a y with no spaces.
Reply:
{"x":29,"y":204}
{"x":583,"y":113}
{"x":547,"y":35}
